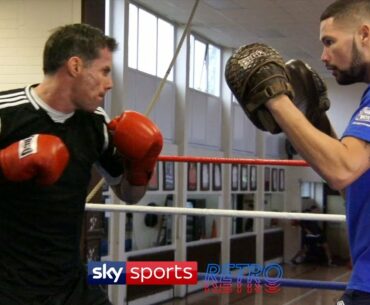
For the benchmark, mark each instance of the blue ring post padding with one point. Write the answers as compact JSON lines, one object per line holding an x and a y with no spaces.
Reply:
{"x":282,"y":282}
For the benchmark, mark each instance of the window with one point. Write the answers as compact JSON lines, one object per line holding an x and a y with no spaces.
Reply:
{"x":147,"y":40}
{"x":150,"y":42}
{"x":132,"y":37}
{"x":205,"y":66}
{"x":165,"y":47}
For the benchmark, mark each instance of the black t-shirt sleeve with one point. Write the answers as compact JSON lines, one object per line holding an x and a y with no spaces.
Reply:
{"x":110,"y":164}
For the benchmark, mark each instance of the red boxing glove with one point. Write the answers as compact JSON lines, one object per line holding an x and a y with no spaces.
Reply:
{"x":140,"y":142}
{"x":43,"y":157}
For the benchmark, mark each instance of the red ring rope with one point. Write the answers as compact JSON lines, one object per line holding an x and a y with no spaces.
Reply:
{"x":232,"y":160}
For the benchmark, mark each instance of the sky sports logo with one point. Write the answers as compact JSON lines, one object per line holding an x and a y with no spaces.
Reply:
{"x":142,"y":273}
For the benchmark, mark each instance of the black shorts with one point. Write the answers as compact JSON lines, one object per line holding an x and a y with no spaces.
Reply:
{"x":354,"y":297}
{"x":80,"y":294}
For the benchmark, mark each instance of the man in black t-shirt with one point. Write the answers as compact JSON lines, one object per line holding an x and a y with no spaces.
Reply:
{"x":51,"y":135}
{"x":314,"y":244}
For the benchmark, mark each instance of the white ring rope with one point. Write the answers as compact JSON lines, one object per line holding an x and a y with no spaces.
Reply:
{"x":212,"y":212}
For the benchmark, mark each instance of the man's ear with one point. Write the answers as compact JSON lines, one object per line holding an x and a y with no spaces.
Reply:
{"x":364,"y":33}
{"x":74,"y":66}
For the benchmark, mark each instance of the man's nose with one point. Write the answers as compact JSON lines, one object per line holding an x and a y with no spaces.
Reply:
{"x":324,"y":56}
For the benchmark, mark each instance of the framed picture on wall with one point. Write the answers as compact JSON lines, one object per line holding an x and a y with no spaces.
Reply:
{"x":204,"y":176}
{"x":274,"y":179}
{"x":234,"y":177}
{"x":192,"y":176}
{"x":267,"y":179}
{"x":153,"y":184}
{"x":253,"y":178}
{"x":281,"y":180}
{"x":244,"y":177}
{"x":168,"y":176}
{"x":217,"y":177}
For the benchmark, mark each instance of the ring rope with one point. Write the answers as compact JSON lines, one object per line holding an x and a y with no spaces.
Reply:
{"x":233,"y":160}
{"x":177,"y":51}
{"x":157,"y":93}
{"x":212,"y":212}
{"x":213,"y":160}
{"x":96,"y":188}
{"x":281,"y":282}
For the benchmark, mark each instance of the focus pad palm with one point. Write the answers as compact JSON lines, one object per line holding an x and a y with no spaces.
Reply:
{"x":310,"y":93}
{"x":256,"y":73}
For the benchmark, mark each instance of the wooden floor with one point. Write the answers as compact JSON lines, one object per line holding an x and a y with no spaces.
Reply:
{"x":286,"y":296}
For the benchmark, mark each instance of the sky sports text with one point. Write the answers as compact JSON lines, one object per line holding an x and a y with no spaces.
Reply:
{"x":242,"y":278}
{"x":142,"y":273}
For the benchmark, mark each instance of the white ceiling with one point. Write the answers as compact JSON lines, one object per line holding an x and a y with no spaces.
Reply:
{"x":290,"y":26}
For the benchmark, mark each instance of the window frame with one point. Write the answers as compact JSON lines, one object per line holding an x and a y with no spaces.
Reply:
{"x":191,"y":68}
{"x":171,"y":75}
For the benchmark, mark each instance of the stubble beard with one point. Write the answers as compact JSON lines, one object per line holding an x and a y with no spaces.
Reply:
{"x":357,"y":72}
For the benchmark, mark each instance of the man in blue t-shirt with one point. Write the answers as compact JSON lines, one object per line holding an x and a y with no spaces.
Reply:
{"x":291,"y":97}
{"x":344,"y":164}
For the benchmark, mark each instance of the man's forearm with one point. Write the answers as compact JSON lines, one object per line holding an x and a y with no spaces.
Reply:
{"x":327,"y":155}
{"x":131,"y":194}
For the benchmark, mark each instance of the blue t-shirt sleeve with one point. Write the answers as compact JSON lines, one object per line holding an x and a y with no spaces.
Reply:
{"x":359,"y":125}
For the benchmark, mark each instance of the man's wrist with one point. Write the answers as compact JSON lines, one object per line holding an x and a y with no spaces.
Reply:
{"x":277,"y":102}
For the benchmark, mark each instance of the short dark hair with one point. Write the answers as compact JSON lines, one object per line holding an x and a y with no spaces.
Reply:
{"x":70,"y":40}
{"x":343,"y":9}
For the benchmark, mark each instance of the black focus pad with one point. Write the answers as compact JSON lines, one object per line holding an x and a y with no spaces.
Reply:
{"x":310,"y":93}
{"x":256,"y":73}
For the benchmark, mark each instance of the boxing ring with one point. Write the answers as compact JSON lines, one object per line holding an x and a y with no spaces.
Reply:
{"x":283,"y":282}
